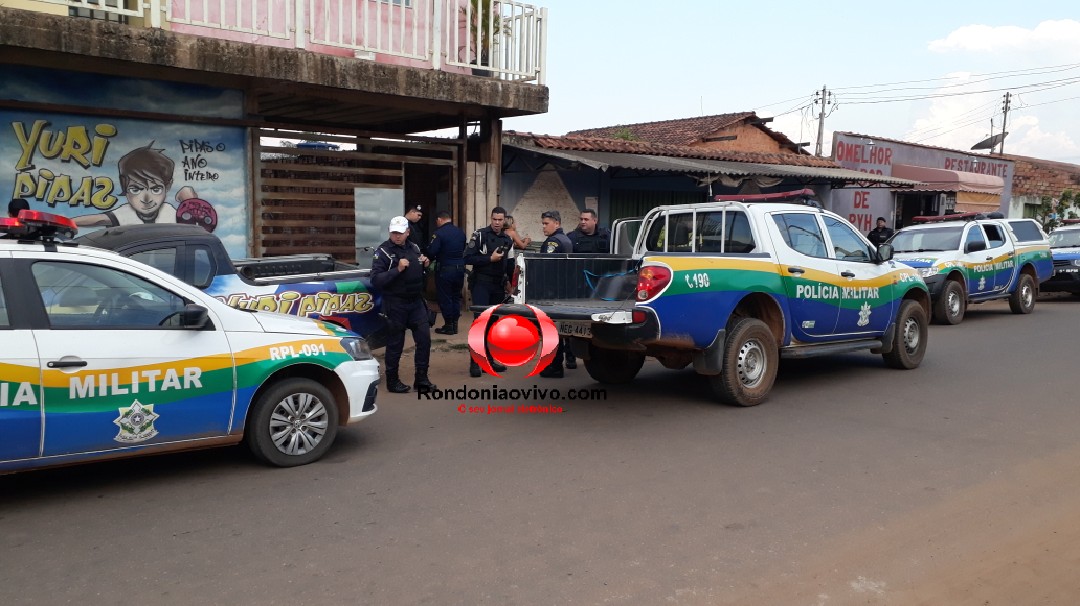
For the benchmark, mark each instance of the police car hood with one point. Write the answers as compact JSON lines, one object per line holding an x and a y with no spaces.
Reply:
{"x":1068,"y":253}
{"x":293,"y":325}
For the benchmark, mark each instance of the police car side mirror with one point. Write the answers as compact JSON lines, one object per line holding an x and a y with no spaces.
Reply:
{"x":975,"y":246}
{"x":884,"y":252}
{"x":195,"y":317}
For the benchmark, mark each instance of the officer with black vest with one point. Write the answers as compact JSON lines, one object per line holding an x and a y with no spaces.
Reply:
{"x":487,"y":253}
{"x":556,"y":242}
{"x":447,"y":248}
{"x":398,"y":272}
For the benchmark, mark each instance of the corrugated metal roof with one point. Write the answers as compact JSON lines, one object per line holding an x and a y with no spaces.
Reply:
{"x":604,"y":161}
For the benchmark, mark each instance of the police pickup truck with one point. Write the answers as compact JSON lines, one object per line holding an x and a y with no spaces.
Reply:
{"x":313,"y":286}
{"x":970,"y":258}
{"x":1065,"y":248}
{"x":106,"y":357}
{"x":730,"y":287}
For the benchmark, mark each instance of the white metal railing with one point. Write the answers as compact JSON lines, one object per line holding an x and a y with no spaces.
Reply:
{"x":505,"y":38}
{"x":402,"y":28}
{"x":257,"y":17}
{"x":502,"y":39}
{"x":124,"y":8}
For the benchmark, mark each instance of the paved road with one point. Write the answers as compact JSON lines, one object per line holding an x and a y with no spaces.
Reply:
{"x":853,"y":483}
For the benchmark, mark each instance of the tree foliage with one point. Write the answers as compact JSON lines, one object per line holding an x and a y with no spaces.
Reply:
{"x":1052,"y":211}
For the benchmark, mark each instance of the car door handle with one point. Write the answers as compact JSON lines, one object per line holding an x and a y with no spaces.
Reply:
{"x":66,"y":363}
{"x":796,"y":270}
{"x":848,"y":274}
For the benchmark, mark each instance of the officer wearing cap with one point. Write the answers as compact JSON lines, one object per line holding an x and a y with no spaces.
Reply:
{"x":447,"y":248}
{"x":556,"y":242}
{"x":398,"y":272}
{"x":487,"y":253}
{"x":417,"y":233}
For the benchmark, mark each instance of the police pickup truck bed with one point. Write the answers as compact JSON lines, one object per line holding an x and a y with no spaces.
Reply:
{"x":106,"y":357}
{"x":313,"y":286}
{"x":967,"y":258}
{"x":730,"y":287}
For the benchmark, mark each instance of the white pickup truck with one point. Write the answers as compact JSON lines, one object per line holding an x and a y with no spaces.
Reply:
{"x":730,"y":287}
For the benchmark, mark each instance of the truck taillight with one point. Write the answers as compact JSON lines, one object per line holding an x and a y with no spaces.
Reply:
{"x":637,"y":317}
{"x":651,"y":280}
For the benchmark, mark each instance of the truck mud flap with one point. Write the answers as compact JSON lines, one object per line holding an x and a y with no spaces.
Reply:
{"x":710,"y":361}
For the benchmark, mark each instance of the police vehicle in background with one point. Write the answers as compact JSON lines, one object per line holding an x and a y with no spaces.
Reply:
{"x":731,"y":286}
{"x":974,"y":258}
{"x":1065,"y":248}
{"x":107,"y":357}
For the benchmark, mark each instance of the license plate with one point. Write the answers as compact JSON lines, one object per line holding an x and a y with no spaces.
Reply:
{"x":1068,"y":271}
{"x":572,"y":328}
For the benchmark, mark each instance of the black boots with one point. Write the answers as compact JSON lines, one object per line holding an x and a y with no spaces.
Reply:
{"x":420,"y":382}
{"x":474,"y":368}
{"x":553,"y":371}
{"x":394,"y":384}
{"x":449,"y":327}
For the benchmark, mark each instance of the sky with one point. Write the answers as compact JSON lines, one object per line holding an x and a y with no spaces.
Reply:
{"x":933,"y":73}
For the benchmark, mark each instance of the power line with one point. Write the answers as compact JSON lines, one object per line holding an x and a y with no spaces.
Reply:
{"x":1021,"y":71}
{"x":1058,"y":83}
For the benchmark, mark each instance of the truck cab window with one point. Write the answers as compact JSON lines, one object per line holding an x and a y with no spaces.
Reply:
{"x":802,"y":233}
{"x":847,"y":245}
{"x":995,"y":237}
{"x":163,"y":259}
{"x":203,"y":267}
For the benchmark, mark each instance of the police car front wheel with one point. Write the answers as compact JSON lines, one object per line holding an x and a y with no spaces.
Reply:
{"x":294,"y":422}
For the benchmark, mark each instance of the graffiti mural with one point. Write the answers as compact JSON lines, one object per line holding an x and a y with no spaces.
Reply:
{"x":106,"y":171}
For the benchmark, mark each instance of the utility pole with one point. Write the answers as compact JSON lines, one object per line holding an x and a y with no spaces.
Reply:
{"x":825,"y":97}
{"x":1004,"y":122}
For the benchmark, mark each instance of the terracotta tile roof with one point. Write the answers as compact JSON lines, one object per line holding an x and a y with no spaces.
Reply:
{"x":581,"y":143}
{"x":684,"y":131}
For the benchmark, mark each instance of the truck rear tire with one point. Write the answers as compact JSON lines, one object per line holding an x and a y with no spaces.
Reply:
{"x":751,"y":360}
{"x":1022,"y":300}
{"x":613,"y":366}
{"x":950,"y":306}
{"x":911,"y":331}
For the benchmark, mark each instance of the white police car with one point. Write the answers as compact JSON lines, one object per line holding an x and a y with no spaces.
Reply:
{"x":106,"y":357}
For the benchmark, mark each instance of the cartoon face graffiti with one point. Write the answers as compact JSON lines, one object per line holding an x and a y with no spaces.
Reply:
{"x":195,"y":211}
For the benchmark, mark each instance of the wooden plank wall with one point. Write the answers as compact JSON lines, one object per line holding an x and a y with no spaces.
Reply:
{"x":304,"y":197}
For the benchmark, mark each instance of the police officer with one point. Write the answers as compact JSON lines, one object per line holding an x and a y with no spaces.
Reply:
{"x":589,"y":237}
{"x":447,"y":248}
{"x":556,"y":242}
{"x":417,"y":233}
{"x":880,"y":234}
{"x":398,"y":271}
{"x":487,"y":253}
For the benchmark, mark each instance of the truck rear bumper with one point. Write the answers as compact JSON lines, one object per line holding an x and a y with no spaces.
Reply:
{"x":612,"y":328}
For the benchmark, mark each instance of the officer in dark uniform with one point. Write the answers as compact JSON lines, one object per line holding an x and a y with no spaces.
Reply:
{"x":556,"y":242}
{"x":417,"y":232}
{"x":487,"y":253}
{"x":447,"y":248}
{"x":398,"y":271}
{"x":590,"y":237}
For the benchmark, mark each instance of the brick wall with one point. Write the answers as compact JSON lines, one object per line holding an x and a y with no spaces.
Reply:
{"x":750,"y":139}
{"x":1038,"y":178}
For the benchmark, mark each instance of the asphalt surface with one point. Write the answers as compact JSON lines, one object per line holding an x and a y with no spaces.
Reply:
{"x":853,"y":483}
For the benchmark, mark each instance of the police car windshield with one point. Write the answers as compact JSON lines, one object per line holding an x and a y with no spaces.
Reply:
{"x":924,"y":239}
{"x":1065,"y":239}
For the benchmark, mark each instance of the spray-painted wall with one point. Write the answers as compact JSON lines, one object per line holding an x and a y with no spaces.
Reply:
{"x":104,"y":170}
